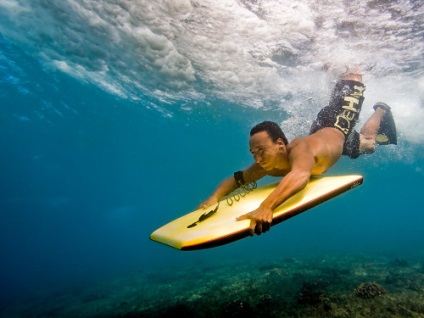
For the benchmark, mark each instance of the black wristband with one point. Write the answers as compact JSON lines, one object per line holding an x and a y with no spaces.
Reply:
{"x":238,"y":176}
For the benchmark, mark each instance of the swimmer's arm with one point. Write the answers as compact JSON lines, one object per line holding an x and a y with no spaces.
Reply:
{"x":252,"y":173}
{"x":302,"y":162}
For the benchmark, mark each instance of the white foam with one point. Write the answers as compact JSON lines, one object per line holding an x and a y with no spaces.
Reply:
{"x":249,"y":52}
{"x":13,"y":8}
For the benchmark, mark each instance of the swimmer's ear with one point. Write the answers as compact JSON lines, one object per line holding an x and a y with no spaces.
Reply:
{"x":280,"y":143}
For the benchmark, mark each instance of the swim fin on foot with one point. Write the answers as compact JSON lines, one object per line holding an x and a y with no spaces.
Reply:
{"x":387,"y":133}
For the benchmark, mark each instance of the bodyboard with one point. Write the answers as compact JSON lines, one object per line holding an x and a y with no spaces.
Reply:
{"x":217,"y":225}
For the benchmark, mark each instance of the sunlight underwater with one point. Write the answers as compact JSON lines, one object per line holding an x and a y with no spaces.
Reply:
{"x":253,"y":53}
{"x":118,"y":116}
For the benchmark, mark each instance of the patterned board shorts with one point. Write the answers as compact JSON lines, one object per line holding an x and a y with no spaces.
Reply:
{"x":342,"y":113}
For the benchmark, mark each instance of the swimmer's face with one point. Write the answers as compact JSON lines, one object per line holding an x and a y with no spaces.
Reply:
{"x":266,"y":152}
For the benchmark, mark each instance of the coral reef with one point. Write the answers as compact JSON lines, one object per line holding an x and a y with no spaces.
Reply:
{"x":311,"y":292}
{"x":237,"y":308}
{"x":369,"y":290}
{"x":319,"y":286}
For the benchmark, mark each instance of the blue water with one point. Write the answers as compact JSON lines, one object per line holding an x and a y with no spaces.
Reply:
{"x":88,"y":170}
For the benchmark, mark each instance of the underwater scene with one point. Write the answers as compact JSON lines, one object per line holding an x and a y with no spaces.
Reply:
{"x":119,"y":116}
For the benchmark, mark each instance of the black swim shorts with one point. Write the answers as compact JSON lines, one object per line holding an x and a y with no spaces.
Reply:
{"x":342,"y":113}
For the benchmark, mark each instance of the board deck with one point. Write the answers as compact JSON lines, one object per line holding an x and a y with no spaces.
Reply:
{"x":205,"y":228}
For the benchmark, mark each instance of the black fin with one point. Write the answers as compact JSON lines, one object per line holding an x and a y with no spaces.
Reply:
{"x":387,"y":133}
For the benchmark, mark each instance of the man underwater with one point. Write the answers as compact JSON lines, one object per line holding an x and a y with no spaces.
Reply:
{"x":331,"y":136}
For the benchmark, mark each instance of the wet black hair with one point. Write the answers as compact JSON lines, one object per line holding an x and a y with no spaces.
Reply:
{"x":273,"y":130}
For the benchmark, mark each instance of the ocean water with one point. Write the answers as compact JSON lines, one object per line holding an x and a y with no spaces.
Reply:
{"x":119,"y":116}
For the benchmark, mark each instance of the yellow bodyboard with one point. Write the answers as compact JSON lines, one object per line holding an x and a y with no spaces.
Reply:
{"x":213,"y":227}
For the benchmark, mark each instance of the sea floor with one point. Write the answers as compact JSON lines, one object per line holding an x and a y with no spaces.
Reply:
{"x":327,"y":286}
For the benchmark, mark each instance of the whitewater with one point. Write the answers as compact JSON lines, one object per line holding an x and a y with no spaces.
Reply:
{"x":261,"y":54}
{"x":118,"y":116}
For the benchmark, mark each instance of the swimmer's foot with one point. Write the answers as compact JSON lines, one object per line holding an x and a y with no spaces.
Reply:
{"x":383,"y":106}
{"x":387,"y":133}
